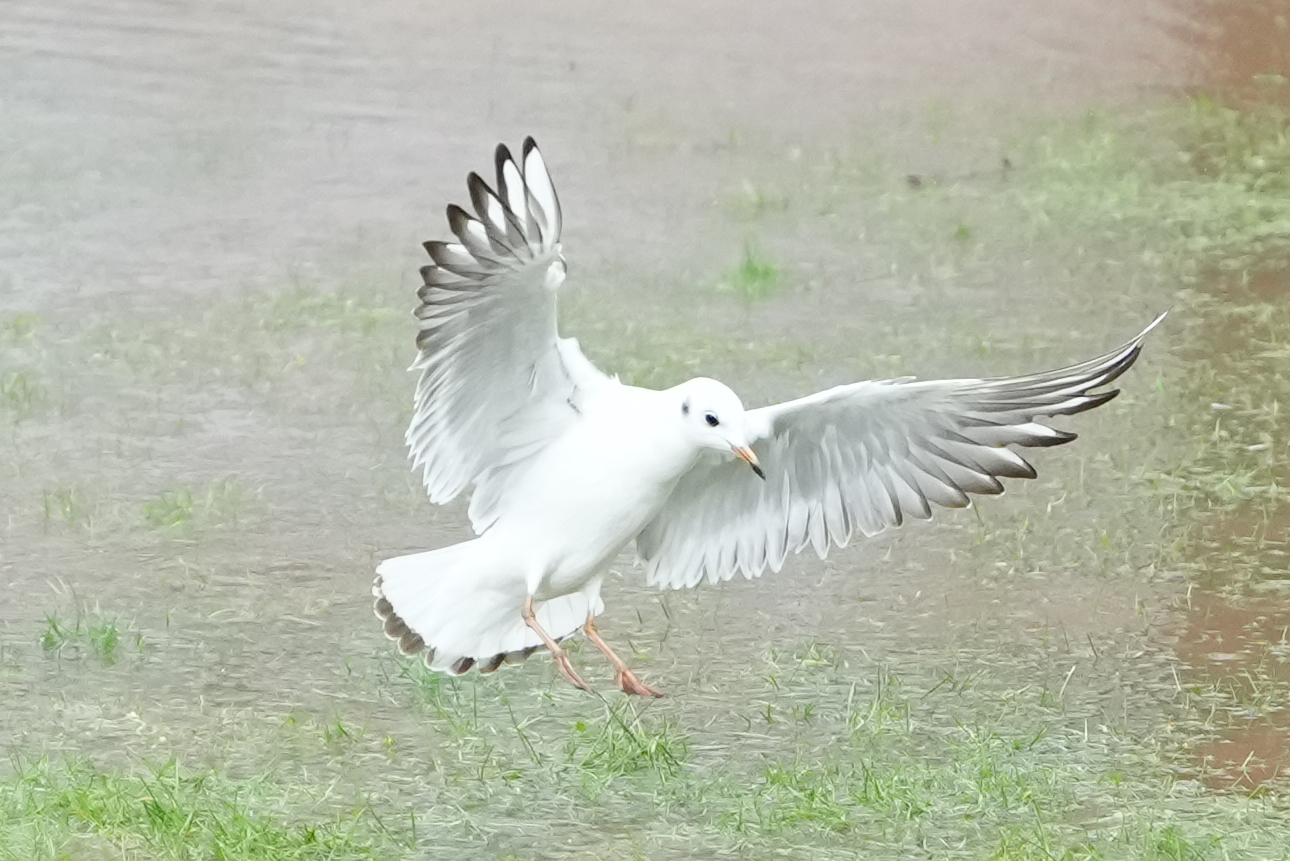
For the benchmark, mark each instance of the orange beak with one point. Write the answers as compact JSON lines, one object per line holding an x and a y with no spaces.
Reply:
{"x":745,"y":454}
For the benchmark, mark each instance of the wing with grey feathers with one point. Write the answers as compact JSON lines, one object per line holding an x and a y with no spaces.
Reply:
{"x":497,"y":382}
{"x":862,"y":458}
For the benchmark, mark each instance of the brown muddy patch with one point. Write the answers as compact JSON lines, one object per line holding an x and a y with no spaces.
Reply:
{"x":1239,"y":49}
{"x":1232,"y":634}
{"x":1239,"y":645}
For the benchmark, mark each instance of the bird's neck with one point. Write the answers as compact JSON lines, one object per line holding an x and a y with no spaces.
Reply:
{"x":650,"y":429}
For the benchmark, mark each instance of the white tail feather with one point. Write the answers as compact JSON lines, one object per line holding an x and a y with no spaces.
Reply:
{"x":449,"y":605}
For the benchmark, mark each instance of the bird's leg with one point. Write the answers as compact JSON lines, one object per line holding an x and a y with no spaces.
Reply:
{"x":626,"y":678}
{"x":557,"y":652}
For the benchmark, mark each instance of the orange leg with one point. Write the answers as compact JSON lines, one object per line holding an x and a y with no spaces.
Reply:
{"x":626,"y":678}
{"x":558,"y":653}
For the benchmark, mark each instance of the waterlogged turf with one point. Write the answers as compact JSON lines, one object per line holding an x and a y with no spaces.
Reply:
{"x":198,"y":478}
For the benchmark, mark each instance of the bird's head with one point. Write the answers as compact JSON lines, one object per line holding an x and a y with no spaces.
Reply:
{"x":713,"y":417}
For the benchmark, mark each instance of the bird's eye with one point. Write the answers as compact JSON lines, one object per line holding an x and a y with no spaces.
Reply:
{"x":711,"y":419}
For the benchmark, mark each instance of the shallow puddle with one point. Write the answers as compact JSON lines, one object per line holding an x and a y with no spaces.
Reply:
{"x":1232,"y":634}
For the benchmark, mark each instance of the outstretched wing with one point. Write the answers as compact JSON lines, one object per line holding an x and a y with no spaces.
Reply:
{"x":497,"y":382}
{"x":861,"y":458}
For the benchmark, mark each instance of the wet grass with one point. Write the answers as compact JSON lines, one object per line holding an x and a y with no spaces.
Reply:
{"x":73,"y":809}
{"x":182,"y":508}
{"x":754,"y":279}
{"x":18,"y":328}
{"x":19,"y":394}
{"x":1188,"y":184}
{"x":980,"y":760}
{"x":1002,"y":743}
{"x":623,"y":743}
{"x":66,"y":505}
{"x":1214,"y":186}
{"x":89,"y":634}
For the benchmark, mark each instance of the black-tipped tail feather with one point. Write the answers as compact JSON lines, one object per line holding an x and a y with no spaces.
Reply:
{"x":411,"y":644}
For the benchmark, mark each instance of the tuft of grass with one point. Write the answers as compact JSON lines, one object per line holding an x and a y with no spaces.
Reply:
{"x":754,"y":279}
{"x":172,"y":508}
{"x":792,"y":796}
{"x":220,"y":503}
{"x":1170,"y":845}
{"x":19,"y":394}
{"x":448,"y":698}
{"x":333,"y":732}
{"x":72,"y":809}
{"x":66,"y":504}
{"x":105,"y":640}
{"x":1034,"y":843}
{"x":625,"y":743}
{"x":88,"y":633}
{"x":18,"y":328}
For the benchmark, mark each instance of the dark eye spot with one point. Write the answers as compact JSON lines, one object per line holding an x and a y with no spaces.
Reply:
{"x":711,"y":419}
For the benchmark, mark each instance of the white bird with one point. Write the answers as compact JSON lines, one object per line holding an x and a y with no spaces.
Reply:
{"x":569,"y":466}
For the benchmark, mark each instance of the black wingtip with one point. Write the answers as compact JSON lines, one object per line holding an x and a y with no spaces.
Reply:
{"x":456,"y":215}
{"x":476,"y":184}
{"x":501,"y":157}
{"x":1062,"y":437}
{"x":1092,"y":401}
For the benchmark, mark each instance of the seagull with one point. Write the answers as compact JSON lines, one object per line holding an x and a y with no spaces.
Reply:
{"x":567,"y":466}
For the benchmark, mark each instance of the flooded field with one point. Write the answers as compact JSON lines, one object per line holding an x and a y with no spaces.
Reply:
{"x":210,"y":217}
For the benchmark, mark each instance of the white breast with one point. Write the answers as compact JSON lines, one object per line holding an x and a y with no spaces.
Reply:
{"x":591,"y":492}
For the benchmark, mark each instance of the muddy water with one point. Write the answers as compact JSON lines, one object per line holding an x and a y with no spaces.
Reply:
{"x":1232,"y":632}
{"x":1238,"y":47}
{"x":166,"y":167}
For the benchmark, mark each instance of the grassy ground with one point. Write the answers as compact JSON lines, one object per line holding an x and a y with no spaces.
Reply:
{"x":182,"y":708}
